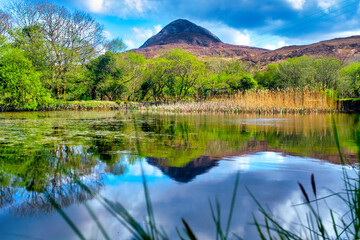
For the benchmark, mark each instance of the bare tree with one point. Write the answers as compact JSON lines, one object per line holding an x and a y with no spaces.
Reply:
{"x":24,"y":13}
{"x":5,"y":23}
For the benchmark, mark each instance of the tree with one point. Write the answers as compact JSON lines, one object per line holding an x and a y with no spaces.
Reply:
{"x":133,"y":68}
{"x":173,"y":76}
{"x":72,"y":38}
{"x":31,"y":40}
{"x":295,"y":73}
{"x":5,"y":23}
{"x":183,"y":73}
{"x":115,"y":46}
{"x":270,"y":78}
{"x":154,"y":80}
{"x":241,"y":83}
{"x":350,"y":77}
{"x":20,"y":85}
{"x":103,"y":75}
{"x":325,"y":72}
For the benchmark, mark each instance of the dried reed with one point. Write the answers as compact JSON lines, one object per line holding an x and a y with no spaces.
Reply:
{"x":258,"y":101}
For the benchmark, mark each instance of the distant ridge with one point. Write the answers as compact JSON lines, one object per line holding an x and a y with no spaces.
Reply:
{"x":201,"y":42}
{"x":182,"y":31}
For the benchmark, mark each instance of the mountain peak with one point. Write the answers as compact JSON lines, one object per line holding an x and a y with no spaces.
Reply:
{"x":182,"y":31}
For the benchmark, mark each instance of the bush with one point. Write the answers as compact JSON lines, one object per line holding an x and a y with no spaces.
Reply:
{"x":20,"y":84}
{"x":242,"y":82}
{"x":350,"y":80}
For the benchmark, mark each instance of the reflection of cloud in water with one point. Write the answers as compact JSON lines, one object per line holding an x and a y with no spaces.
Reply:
{"x":263,"y":161}
{"x":272,"y":177}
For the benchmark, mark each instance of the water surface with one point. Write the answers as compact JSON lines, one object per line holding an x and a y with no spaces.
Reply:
{"x":187,"y":159}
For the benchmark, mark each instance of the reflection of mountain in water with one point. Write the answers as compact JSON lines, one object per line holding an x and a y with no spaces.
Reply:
{"x":188,"y":172}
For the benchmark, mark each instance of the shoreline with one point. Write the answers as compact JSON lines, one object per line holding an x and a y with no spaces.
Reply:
{"x":218,"y":106}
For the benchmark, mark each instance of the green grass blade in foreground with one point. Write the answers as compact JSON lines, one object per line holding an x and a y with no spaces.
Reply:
{"x":128,"y":221}
{"x":65,"y":217}
{"x":232,"y":204}
{"x":188,"y":230}
{"x":216,"y":212}
{"x":95,"y":218}
{"x":276,"y":226}
{"x":153,"y":230}
{"x":336,"y":136}
{"x":115,"y":209}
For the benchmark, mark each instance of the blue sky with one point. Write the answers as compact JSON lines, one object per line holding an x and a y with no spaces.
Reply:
{"x":267,"y":23}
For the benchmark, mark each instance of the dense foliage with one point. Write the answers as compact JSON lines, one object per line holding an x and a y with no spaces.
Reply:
{"x":48,"y":53}
{"x":20,"y":85}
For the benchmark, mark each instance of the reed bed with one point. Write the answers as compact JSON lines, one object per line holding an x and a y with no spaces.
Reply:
{"x":287,"y":101}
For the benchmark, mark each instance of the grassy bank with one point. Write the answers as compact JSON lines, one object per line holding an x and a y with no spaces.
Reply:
{"x":80,"y":106}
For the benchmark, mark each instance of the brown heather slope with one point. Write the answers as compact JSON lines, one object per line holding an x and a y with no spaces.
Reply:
{"x":186,"y":35}
{"x":342,"y":48}
{"x":213,"y":49}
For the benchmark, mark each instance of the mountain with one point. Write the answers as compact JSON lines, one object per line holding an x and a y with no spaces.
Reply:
{"x":182,"y":31}
{"x":199,"y":41}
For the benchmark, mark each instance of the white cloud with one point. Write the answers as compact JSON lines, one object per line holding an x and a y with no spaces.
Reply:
{"x":297,"y":4}
{"x":130,"y":44}
{"x":241,"y":38}
{"x":342,"y":34}
{"x":137,"y":5}
{"x":108,"y":35}
{"x":326,"y":4}
{"x":276,"y":46}
{"x":95,"y":5}
{"x":142,"y":34}
{"x":228,"y":34}
{"x":157,"y":28}
{"x":120,"y":8}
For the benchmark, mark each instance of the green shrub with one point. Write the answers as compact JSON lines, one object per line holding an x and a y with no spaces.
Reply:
{"x":20,"y":84}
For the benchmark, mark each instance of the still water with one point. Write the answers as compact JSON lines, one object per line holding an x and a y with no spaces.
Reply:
{"x":187,"y":160}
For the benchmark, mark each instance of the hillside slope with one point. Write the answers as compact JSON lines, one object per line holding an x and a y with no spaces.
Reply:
{"x":199,"y":41}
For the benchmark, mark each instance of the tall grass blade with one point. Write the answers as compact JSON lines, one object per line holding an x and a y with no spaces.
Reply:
{"x":232,"y":205}
{"x":262,"y":236}
{"x":65,"y":217}
{"x":313,"y":185}
{"x":179,"y":234}
{"x":304,"y":192}
{"x":336,"y":136}
{"x":95,"y":218}
{"x":153,"y":229}
{"x":334,"y":224}
{"x":188,"y":230}
{"x":128,"y":221}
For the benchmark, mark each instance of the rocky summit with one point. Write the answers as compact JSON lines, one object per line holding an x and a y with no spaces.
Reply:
{"x":182,"y":31}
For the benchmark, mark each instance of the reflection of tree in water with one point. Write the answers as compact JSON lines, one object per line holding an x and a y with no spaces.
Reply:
{"x":27,"y":185}
{"x":34,"y":202}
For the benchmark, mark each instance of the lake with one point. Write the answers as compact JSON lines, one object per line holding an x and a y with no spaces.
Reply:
{"x":187,"y":160}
